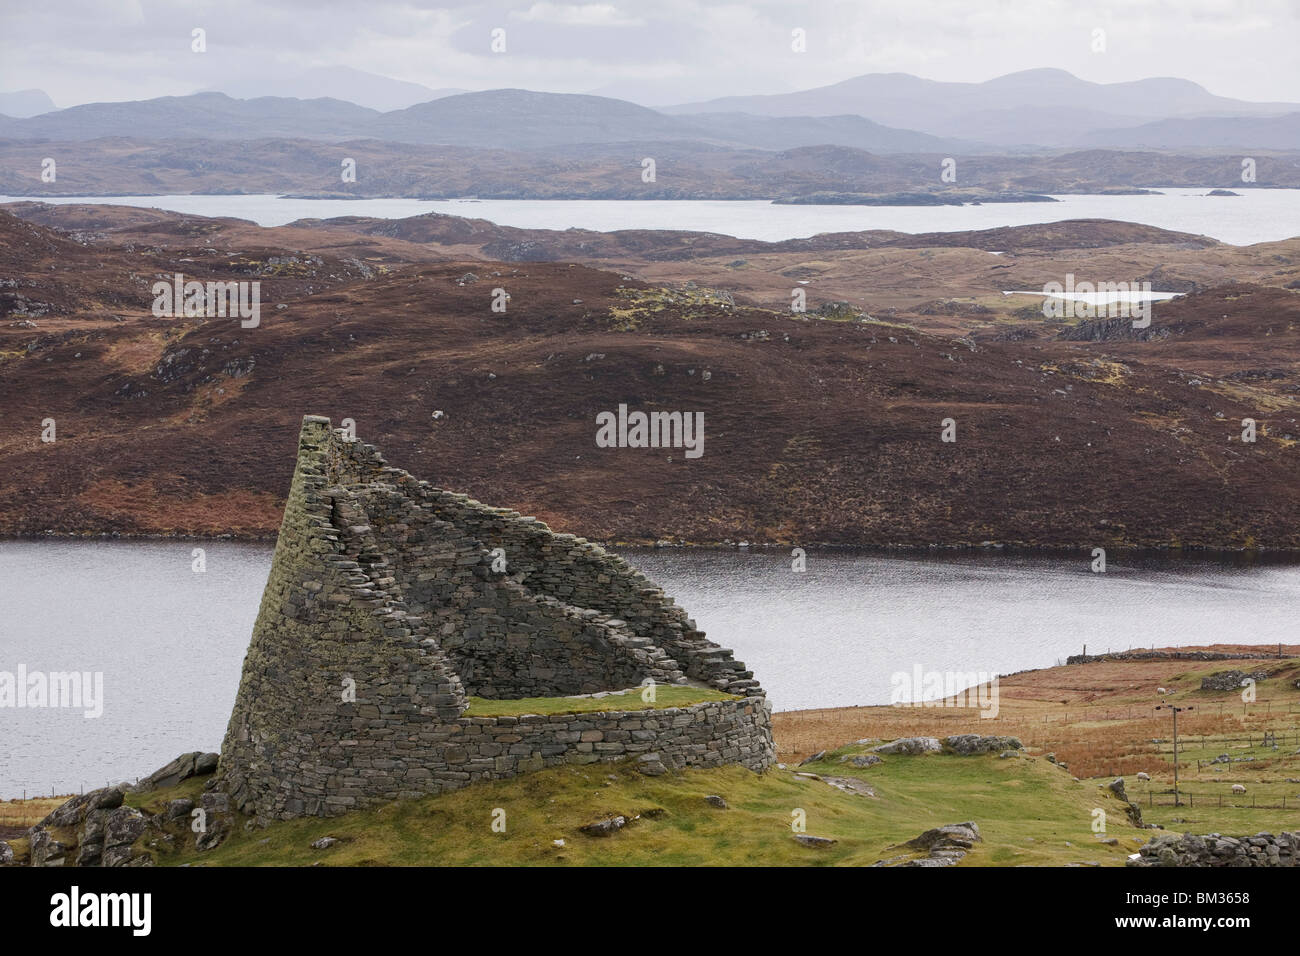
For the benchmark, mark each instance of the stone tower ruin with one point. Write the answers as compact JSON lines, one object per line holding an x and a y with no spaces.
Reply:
{"x":387,"y":608}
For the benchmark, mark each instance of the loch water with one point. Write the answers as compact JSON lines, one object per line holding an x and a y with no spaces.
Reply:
{"x":170,"y":641}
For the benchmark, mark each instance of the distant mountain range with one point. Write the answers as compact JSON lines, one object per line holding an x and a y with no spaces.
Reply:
{"x":1261,"y":132}
{"x":881,"y":113}
{"x":210,"y":115}
{"x":504,"y":119}
{"x":1046,"y":107}
{"x":334,"y":82}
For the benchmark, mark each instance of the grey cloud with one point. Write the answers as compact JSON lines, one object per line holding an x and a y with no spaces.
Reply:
{"x":81,"y":50}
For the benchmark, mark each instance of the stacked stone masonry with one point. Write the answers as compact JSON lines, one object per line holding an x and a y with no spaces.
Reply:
{"x":390,"y":591}
{"x":1262,"y":849}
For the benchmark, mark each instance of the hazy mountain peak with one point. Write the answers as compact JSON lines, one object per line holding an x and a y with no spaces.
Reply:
{"x":344,"y":83}
{"x":877,"y":112}
{"x":23,"y":103}
{"x":1036,"y":74}
{"x":1045,"y":106}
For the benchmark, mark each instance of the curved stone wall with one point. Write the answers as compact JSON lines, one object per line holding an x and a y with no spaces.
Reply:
{"x":387,"y":606}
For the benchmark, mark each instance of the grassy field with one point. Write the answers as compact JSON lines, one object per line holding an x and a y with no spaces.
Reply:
{"x":17,"y":815}
{"x":1100,"y":720}
{"x":1030,"y":812}
{"x":1096,"y":720}
{"x":666,"y":695}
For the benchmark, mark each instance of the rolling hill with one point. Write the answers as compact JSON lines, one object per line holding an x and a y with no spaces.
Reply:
{"x":822,"y":428}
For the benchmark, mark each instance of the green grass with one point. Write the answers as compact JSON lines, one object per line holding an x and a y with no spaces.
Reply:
{"x":666,"y":695}
{"x":1206,"y":817}
{"x":1209,"y":805}
{"x":1029,"y":811}
{"x":156,"y":800}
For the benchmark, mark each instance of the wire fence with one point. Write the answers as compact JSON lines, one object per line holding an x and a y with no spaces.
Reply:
{"x":1283,"y":741}
{"x":1220,"y":708}
{"x":1191,"y":799}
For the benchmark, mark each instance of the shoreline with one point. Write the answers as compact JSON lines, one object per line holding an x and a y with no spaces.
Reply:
{"x":774,"y":199}
{"x":1056,"y":208}
{"x":1188,"y":660}
{"x":1259,"y":555}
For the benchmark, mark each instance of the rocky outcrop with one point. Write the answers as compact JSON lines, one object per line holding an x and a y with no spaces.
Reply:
{"x":861,"y":761}
{"x":98,"y":829}
{"x":93,"y":829}
{"x":1262,"y":849}
{"x":604,"y":828}
{"x":970,"y":744}
{"x":1111,"y":330}
{"x":1131,"y":807}
{"x":816,"y":842}
{"x":195,"y":764}
{"x":910,"y":746}
{"x":944,"y":846}
{"x":964,"y":745}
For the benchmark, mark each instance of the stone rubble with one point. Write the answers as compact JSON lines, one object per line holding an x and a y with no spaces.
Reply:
{"x":1214,"y":850}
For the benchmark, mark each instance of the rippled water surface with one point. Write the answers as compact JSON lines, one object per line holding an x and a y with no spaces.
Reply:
{"x":1256,"y":215}
{"x":170,"y":642}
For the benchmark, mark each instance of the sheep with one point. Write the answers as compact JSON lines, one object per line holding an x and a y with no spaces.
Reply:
{"x":1238,"y":788}
{"x":1144,"y":776}
{"x":1161,"y":690}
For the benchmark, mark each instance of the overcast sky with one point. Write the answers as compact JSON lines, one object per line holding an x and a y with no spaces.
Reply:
{"x":653,"y":51}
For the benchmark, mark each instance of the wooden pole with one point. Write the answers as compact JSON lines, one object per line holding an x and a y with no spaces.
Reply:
{"x":1175,"y":756}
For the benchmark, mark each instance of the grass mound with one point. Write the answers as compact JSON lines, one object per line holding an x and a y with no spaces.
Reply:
{"x":1030,"y":812}
{"x":666,"y":695}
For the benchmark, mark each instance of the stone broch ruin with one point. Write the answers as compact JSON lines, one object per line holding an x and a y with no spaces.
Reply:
{"x":383,"y":614}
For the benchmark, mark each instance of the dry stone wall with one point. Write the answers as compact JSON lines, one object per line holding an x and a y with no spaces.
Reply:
{"x":579,"y":573}
{"x":387,"y":606}
{"x":1262,"y":849}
